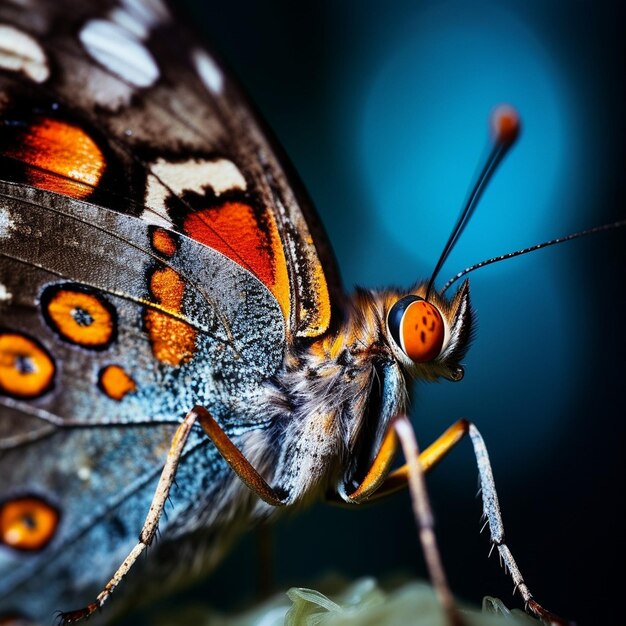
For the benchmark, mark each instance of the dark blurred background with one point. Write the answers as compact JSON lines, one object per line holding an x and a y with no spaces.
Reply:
{"x":382,"y":107}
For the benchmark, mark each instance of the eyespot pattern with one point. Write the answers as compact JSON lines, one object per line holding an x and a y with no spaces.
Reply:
{"x":27,"y":523}
{"x":79,"y":315}
{"x":26,"y":368}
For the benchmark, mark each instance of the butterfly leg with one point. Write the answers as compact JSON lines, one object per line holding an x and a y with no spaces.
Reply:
{"x":150,"y":525}
{"x":425,"y":519}
{"x":491,"y":507}
{"x":235,"y":458}
{"x":231,"y":454}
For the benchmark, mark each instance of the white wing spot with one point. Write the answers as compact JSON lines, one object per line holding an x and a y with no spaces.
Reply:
{"x":195,"y":175}
{"x":6,"y":223}
{"x":84,"y":473}
{"x":19,"y":52}
{"x":120,"y":52}
{"x":148,"y":12}
{"x":208,"y":71}
{"x":130,"y":23}
{"x":5,"y":295}
{"x":139,"y":18}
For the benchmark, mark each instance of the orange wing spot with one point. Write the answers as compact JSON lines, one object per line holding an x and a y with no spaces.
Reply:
{"x":115,"y":382}
{"x":26,"y":368}
{"x":173,"y":341}
{"x":80,"y":317}
{"x":254,"y":243}
{"x":422,"y":331}
{"x":27,"y":523}
{"x":63,"y":157}
{"x":167,"y":287}
{"x":163,"y":242}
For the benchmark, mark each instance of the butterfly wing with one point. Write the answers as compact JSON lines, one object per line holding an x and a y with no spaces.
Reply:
{"x":154,"y":255}
{"x":183,"y":146}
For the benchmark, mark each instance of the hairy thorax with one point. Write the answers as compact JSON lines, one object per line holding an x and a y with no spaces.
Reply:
{"x":332,"y":394}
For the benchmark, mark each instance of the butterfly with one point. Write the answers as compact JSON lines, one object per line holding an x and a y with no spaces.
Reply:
{"x":159,"y":255}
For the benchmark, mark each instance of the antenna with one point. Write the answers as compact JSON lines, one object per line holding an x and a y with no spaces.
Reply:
{"x":505,"y":128}
{"x":538,"y":246}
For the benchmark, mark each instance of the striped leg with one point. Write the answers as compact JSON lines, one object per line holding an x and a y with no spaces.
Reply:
{"x":491,"y":509}
{"x":231,"y":454}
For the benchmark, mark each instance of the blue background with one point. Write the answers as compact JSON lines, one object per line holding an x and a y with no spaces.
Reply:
{"x":382,"y":108}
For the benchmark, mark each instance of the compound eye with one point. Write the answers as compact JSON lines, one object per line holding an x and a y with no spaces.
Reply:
{"x":417,"y":327}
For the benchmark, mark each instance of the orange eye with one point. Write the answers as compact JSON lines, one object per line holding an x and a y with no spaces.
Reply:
{"x":27,"y":523}
{"x":417,"y":327}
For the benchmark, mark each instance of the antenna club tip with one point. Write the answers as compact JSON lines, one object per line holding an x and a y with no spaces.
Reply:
{"x":505,"y":124}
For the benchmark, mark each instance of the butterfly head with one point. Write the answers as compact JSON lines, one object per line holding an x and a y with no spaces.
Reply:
{"x":390,"y":338}
{"x":429,"y":334}
{"x":429,"y":337}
